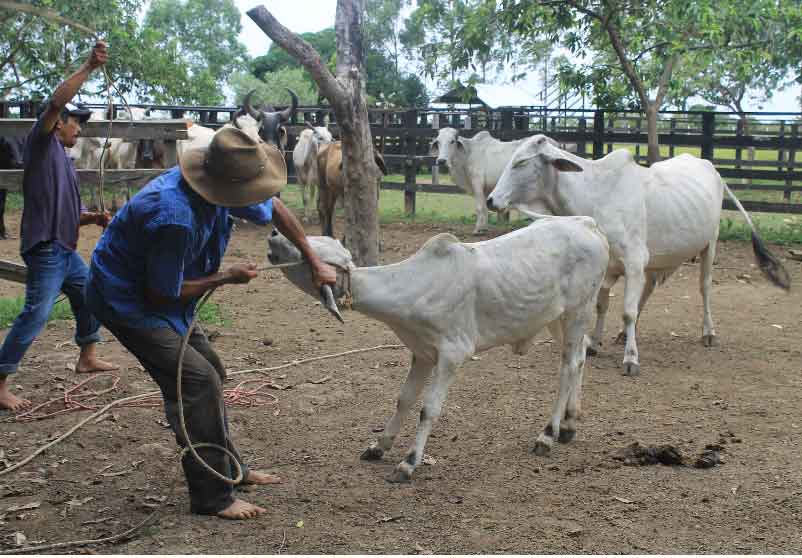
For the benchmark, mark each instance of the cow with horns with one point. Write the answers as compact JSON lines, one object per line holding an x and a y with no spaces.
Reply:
{"x":268,"y":122}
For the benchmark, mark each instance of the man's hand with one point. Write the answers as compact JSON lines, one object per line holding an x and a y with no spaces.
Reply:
{"x":98,"y":56}
{"x":323,"y":274}
{"x":241,"y":273}
{"x":102,"y":219}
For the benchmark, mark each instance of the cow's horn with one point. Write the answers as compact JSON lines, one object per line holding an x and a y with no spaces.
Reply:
{"x":288,"y":112}
{"x":246,"y":104}
{"x":327,"y":298}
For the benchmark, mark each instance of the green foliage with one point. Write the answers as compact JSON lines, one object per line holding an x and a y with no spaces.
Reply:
{"x":324,"y":42}
{"x":11,"y":307}
{"x":385,"y":84}
{"x":178,"y":54}
{"x":272,"y":88}
{"x":36,"y":54}
{"x":196,"y":53}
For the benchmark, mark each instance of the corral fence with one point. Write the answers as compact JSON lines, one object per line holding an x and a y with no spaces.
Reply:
{"x":758,"y":153}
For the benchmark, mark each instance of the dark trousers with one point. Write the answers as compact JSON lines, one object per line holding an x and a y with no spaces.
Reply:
{"x":204,"y":410}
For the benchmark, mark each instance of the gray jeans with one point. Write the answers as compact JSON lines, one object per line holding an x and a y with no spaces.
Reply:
{"x":204,"y":410}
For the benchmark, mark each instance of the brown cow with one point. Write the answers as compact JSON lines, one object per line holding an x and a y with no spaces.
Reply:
{"x":331,"y":182}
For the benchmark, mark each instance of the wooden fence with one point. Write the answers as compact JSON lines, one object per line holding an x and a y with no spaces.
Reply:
{"x":759,"y":154}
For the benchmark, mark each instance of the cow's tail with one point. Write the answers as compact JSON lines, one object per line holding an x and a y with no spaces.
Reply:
{"x":768,"y":262}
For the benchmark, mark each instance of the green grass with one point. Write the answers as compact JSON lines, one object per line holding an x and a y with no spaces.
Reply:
{"x":211,"y":313}
{"x":11,"y":307}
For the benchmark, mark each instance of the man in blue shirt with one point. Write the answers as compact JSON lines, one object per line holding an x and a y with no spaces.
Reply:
{"x":159,"y":255}
{"x":51,"y":217}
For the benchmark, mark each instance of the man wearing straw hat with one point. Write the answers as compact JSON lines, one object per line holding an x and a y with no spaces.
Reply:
{"x":159,"y":255}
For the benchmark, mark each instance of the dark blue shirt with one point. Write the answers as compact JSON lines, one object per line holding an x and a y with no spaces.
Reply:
{"x":166,"y":234}
{"x":51,"y":200}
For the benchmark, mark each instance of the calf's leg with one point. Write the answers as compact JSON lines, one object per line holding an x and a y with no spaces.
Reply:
{"x":444,"y":374}
{"x":633,"y":290}
{"x":567,"y":404}
{"x":419,"y":370}
{"x":481,"y":209}
{"x":602,"y":304}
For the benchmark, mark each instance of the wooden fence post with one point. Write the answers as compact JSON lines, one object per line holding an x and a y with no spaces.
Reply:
{"x":506,"y":121}
{"x":582,"y":145}
{"x":791,"y":160}
{"x":739,"y":133}
{"x":410,"y":163}
{"x":598,"y":134}
{"x":637,"y":145}
{"x":673,"y":130}
{"x":708,"y":127}
{"x":435,"y":166}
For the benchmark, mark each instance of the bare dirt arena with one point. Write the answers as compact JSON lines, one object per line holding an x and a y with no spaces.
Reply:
{"x":485,"y":492}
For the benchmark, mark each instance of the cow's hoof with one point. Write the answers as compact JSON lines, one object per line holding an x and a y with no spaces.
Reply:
{"x":710,"y":340}
{"x":399,"y":476}
{"x":592,"y":352}
{"x":373,"y":453}
{"x":541,"y":449}
{"x":566,"y":436}
{"x":631,"y":369}
{"x":621,"y":338}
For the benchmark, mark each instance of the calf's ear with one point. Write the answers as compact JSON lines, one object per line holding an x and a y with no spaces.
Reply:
{"x":460,"y":145}
{"x":564,"y":165}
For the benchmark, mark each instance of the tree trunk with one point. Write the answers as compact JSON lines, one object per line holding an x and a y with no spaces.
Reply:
{"x":346,"y":94}
{"x":653,"y":154}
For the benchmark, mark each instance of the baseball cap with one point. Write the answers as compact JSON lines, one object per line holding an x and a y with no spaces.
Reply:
{"x":78,"y":111}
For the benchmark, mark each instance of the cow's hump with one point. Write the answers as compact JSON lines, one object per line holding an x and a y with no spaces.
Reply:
{"x":440,"y":246}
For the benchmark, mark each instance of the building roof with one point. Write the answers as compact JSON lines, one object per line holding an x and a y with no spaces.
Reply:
{"x":491,"y":96}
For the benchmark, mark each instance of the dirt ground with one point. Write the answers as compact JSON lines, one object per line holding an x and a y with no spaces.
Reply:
{"x":486,"y":492}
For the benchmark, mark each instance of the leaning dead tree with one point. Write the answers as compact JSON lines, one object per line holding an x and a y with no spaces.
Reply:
{"x":346,"y":94}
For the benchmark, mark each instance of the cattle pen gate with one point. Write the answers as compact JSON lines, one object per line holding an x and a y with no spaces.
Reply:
{"x":756,"y":153}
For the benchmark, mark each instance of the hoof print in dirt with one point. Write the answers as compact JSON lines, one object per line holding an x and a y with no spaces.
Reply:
{"x":709,"y":459}
{"x":373,"y":453}
{"x":636,"y":454}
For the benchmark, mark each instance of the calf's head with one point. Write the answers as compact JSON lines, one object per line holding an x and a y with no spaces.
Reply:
{"x":320,"y":134}
{"x":282,"y":251}
{"x":11,"y":152}
{"x":529,"y":180}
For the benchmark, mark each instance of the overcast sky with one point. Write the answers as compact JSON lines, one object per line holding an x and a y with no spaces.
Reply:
{"x":302,"y":16}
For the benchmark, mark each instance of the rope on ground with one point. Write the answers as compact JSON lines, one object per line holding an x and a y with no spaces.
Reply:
{"x":125,"y":401}
{"x":143,"y":397}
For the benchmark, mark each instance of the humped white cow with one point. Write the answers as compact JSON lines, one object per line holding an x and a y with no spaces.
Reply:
{"x":451,"y":300}
{"x":655,"y":219}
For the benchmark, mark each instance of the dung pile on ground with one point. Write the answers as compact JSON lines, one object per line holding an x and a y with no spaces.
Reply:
{"x":638,"y":454}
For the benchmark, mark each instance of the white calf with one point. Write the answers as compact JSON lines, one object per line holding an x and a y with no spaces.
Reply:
{"x":451,"y":300}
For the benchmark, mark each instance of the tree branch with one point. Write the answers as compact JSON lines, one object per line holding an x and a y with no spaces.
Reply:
{"x":648,"y":50}
{"x":299,"y":49}
{"x":19,"y":44}
{"x":664,"y":79}
{"x":626,"y":65}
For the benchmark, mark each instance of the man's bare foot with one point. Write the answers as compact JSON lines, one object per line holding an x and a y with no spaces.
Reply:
{"x":88,"y":362}
{"x":258,"y":477}
{"x":11,"y":402}
{"x":241,"y":509}
{"x":90,"y":366}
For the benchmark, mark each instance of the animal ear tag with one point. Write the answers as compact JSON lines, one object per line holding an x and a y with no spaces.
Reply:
{"x":327,"y":299}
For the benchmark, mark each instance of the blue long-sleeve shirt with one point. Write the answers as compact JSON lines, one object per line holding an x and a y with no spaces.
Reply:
{"x":166,"y":234}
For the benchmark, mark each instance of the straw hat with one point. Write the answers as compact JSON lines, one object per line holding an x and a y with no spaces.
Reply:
{"x":235,"y":170}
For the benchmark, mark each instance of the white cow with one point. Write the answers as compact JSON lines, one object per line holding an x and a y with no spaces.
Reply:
{"x":198,"y":137}
{"x":655,"y":219}
{"x":475,"y":165}
{"x":451,"y":300}
{"x":304,"y":157}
